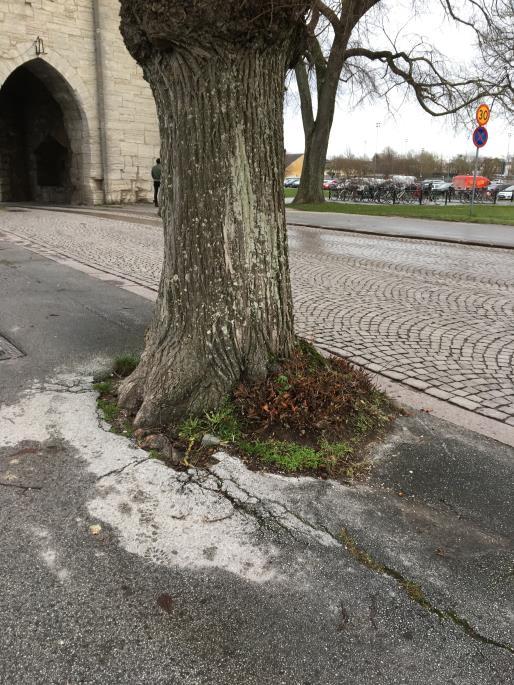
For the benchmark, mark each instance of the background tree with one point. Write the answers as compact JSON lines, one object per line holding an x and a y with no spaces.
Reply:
{"x":349,"y":166}
{"x":496,"y":42}
{"x":217,"y":71}
{"x":389,"y":162}
{"x":462,"y":164}
{"x":491,"y":167}
{"x":340,"y":48}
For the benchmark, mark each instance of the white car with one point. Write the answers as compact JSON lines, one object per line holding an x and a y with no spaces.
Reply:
{"x":506,"y":193}
{"x":441,"y":187}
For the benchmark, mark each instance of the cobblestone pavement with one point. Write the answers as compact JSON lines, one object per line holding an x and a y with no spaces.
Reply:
{"x":435,"y":316}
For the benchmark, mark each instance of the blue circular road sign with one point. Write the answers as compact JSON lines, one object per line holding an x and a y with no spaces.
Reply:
{"x":480,"y":136}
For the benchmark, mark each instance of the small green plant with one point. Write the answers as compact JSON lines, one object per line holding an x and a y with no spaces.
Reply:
{"x":109,"y":410}
{"x":282,"y":383}
{"x":191,"y":430}
{"x":104,"y":387}
{"x":223,"y":423}
{"x":125,"y":364}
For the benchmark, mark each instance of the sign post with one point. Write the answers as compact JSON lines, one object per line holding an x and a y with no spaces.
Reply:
{"x":474,"y":183}
{"x":480,"y":137}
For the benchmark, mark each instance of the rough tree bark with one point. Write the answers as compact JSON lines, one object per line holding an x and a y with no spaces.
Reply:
{"x":224,"y":308}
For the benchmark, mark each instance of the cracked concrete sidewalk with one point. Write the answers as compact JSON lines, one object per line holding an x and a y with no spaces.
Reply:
{"x":226,"y":575}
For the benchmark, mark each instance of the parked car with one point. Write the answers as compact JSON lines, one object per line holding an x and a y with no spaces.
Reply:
{"x":497,"y":186}
{"x":288,"y":183}
{"x":330,"y":183}
{"x":431,"y":181}
{"x":295,"y":183}
{"x":441,"y":187}
{"x":506,"y":193}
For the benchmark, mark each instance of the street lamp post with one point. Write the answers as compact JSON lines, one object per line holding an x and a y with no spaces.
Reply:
{"x":378,"y":125}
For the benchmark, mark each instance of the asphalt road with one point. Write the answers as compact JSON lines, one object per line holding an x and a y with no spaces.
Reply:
{"x":227,"y":576}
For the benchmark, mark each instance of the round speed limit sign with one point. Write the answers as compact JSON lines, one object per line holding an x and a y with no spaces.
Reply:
{"x":483,"y":114}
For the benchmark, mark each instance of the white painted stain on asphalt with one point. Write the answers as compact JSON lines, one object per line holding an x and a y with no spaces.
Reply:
{"x":198,"y":519}
{"x":49,"y":555}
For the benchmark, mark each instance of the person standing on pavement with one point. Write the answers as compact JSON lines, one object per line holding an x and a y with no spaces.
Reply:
{"x":156,"y":175}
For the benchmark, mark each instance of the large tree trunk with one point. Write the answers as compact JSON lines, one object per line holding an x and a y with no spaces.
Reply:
{"x":317,"y":133}
{"x":316,"y":130}
{"x":314,"y":161}
{"x":224,"y":307}
{"x":327,"y":72}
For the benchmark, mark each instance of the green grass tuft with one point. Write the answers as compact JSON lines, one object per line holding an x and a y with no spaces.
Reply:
{"x":336,"y":450}
{"x":370,"y":414}
{"x":191,"y":429}
{"x":125,"y":364}
{"x":223,"y":423}
{"x":109,"y":409}
{"x":104,"y":387}
{"x":292,"y":457}
{"x":128,"y":429}
{"x":316,"y":359}
{"x":287,"y":455}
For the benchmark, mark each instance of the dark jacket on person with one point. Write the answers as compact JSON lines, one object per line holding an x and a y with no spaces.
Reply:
{"x":156,"y":173}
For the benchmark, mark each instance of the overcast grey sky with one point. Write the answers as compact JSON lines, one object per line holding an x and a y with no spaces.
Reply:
{"x":407,"y":128}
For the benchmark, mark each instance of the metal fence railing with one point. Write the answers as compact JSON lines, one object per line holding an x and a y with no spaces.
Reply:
{"x":411,"y":194}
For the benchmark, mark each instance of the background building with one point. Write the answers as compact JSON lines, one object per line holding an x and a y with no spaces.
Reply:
{"x":294,"y":164}
{"x":77,"y":120}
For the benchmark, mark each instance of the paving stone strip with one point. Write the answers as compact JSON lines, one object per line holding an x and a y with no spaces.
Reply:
{"x":434,"y":316}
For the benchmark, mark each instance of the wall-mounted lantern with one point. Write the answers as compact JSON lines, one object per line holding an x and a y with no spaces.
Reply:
{"x":39,"y":46}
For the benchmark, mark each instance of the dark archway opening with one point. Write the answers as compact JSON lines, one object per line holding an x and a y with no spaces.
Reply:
{"x":40,"y":137}
{"x":51,"y":163}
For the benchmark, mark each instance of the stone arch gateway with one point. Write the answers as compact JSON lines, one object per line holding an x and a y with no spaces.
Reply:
{"x":75,"y":49}
{"x":44,"y":137}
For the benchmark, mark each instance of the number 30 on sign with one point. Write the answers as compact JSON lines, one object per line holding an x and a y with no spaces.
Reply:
{"x":483,"y":114}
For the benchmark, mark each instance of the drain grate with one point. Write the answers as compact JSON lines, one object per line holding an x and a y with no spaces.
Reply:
{"x":15,"y":209}
{"x":8,"y":351}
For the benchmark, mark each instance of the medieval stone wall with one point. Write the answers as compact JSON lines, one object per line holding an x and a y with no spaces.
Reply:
{"x":113,"y":139}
